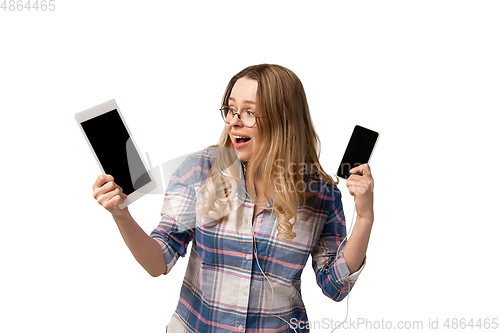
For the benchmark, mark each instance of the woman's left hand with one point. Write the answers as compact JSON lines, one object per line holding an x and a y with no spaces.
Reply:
{"x":361,"y":188}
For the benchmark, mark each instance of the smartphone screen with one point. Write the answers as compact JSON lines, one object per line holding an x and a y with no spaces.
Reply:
{"x":359,"y":150}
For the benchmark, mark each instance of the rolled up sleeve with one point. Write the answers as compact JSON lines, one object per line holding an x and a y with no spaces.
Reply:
{"x":178,"y":219}
{"x":332,"y":274}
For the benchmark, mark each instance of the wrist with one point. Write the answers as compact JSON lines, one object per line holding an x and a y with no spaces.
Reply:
{"x":366,"y":218}
{"x":121,"y":215}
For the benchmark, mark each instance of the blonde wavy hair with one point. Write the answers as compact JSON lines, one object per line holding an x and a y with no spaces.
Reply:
{"x":289,"y":145}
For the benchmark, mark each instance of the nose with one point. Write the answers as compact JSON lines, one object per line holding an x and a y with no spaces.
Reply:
{"x":235,"y":120}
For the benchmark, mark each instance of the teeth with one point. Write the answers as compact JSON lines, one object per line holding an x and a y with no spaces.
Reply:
{"x":239,"y":137}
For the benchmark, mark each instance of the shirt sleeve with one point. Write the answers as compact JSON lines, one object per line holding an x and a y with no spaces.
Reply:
{"x":332,"y":274}
{"x":178,"y":220}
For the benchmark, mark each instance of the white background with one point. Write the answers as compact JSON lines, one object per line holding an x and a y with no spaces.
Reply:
{"x":425,"y":74}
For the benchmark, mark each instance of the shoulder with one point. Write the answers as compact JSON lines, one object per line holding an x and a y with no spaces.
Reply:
{"x":316,"y":183}
{"x":195,"y":167}
{"x":323,"y":192}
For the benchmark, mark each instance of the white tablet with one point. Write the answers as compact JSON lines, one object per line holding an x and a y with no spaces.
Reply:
{"x":114,"y":148}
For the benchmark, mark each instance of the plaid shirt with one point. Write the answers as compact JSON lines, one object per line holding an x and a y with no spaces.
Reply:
{"x":224,"y":289}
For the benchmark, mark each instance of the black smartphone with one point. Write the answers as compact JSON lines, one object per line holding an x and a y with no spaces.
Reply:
{"x":358,"y":151}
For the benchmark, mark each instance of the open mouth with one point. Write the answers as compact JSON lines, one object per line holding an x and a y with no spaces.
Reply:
{"x":241,"y":139}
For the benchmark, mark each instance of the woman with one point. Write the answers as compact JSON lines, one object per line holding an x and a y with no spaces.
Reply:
{"x":255,"y":219}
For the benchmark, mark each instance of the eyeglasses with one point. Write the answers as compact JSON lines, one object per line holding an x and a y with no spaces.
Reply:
{"x":247,"y":116}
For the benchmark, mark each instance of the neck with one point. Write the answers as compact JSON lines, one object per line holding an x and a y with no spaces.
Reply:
{"x":260,"y":189}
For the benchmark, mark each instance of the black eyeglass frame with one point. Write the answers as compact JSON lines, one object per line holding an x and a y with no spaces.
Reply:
{"x":238,"y":114}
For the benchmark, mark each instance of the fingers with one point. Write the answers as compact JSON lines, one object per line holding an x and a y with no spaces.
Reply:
{"x":361,"y":188}
{"x":105,"y":188}
{"x":101,"y":180}
{"x":358,"y":190}
{"x":359,"y":185}
{"x":107,"y":193}
{"x":364,"y":168}
{"x":111,"y":199}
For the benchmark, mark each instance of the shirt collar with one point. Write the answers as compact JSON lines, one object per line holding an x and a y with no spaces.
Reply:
{"x":244,"y":166}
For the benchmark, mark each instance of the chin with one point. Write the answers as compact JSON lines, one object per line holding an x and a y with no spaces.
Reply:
{"x":243,"y":156}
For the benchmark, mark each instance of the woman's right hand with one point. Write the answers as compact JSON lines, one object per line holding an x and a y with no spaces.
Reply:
{"x":108,"y":194}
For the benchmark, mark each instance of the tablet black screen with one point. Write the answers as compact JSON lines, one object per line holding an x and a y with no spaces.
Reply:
{"x":115,"y":150}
